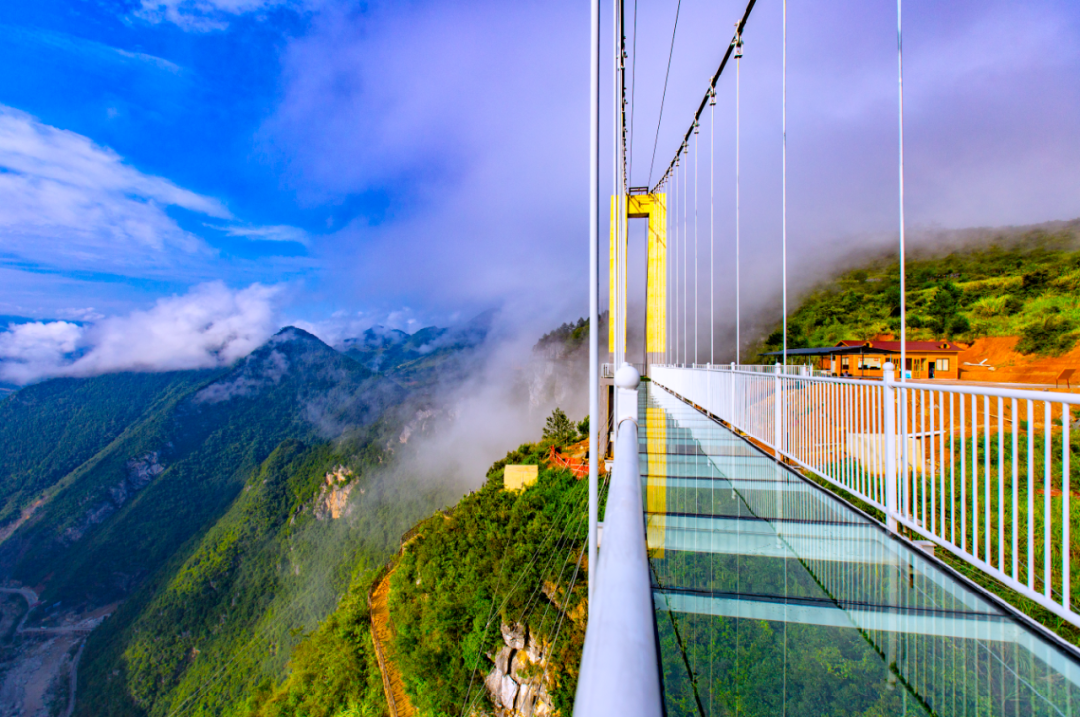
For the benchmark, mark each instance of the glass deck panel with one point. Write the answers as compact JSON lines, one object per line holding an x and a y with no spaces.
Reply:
{"x":774,"y":598}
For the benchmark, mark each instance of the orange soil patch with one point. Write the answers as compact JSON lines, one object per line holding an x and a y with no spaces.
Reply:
{"x":1013,"y":367}
{"x":381,"y":634}
{"x":1056,"y":493}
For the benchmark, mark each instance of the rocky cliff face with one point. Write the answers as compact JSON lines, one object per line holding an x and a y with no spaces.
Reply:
{"x":333,"y":499}
{"x":517,"y":684}
{"x":140,"y":472}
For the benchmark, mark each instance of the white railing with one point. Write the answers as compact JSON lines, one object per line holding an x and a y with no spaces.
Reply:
{"x":983,"y":472}
{"x":620,"y":670}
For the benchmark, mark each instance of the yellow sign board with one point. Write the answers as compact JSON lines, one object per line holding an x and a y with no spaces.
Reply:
{"x":518,"y":477}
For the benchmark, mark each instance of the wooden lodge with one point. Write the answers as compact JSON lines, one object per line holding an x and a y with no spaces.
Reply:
{"x":866,"y":359}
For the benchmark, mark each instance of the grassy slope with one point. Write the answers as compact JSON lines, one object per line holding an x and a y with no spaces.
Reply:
{"x":1011,"y":285}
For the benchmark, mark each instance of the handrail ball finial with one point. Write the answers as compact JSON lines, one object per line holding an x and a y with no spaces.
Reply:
{"x":627,"y":377}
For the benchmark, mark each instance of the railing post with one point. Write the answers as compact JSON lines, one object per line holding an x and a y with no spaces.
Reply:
{"x":891,"y":469}
{"x":778,"y":419}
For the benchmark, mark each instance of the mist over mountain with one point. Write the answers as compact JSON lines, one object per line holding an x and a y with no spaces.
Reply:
{"x":238,"y":500}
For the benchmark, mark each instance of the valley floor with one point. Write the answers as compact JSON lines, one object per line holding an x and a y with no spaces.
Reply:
{"x":38,"y":665}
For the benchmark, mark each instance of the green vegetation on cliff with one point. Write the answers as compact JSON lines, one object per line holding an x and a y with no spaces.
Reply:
{"x":467,"y":571}
{"x":1025,"y":285}
{"x":220,"y":630}
{"x":499,"y":558}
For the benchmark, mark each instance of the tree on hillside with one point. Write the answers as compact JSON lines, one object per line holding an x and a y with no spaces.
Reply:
{"x":559,"y":429}
{"x":943,"y":309}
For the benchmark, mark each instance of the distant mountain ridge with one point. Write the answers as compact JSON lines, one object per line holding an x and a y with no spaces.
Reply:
{"x":430,"y":355}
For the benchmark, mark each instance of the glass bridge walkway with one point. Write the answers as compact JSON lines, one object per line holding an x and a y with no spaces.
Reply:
{"x":773,"y":597}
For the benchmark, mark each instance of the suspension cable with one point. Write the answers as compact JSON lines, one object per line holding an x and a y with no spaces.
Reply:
{"x":712,"y":86}
{"x":663,"y":96}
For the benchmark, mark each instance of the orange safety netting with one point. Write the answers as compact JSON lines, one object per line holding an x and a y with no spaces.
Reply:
{"x":579,"y":468}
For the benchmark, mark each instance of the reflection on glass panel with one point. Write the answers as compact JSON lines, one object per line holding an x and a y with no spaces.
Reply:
{"x":774,"y":598}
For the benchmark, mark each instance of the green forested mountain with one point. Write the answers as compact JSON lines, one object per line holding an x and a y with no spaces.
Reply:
{"x":50,"y":429}
{"x":120,"y":514}
{"x":1001,"y":283}
{"x":237,"y":519}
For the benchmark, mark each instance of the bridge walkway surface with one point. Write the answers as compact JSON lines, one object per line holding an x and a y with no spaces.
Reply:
{"x":774,"y":597}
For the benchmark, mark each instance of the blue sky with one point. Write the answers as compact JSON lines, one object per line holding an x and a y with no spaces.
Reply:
{"x":416,"y":162}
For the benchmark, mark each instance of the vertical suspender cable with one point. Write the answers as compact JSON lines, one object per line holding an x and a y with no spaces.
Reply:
{"x":594,"y":280}
{"x":697,"y":274}
{"x":686,"y":254}
{"x":903,"y":278}
{"x":738,"y":179}
{"x":738,"y":337}
{"x":616,"y":310}
{"x":712,"y":229}
{"x":675,"y":266}
{"x":784,"y":246}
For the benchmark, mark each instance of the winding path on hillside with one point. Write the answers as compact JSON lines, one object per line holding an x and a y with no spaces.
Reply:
{"x":396,"y":698}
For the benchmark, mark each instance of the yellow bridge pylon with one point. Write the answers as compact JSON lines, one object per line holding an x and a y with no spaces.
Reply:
{"x":654,"y":208}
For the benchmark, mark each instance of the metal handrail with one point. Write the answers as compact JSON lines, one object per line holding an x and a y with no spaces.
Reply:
{"x":981,"y":471}
{"x":620,"y":671}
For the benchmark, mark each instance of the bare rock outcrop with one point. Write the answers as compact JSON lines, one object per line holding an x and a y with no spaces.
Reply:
{"x":333,"y":500}
{"x":139,"y":473}
{"x":517,"y":684}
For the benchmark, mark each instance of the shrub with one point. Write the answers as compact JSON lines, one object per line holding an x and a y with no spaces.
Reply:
{"x":1034,"y":283}
{"x":1052,"y":336}
{"x":990,"y":306}
{"x":959,"y":325}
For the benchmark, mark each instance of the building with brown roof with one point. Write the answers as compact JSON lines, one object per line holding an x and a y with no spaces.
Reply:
{"x":867,"y":359}
{"x":925,"y":359}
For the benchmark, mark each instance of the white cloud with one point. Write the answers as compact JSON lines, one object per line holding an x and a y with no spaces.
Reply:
{"x":67,"y":201}
{"x":202,"y":15}
{"x":271,"y":233}
{"x":209,"y":326}
{"x":31,"y":350}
